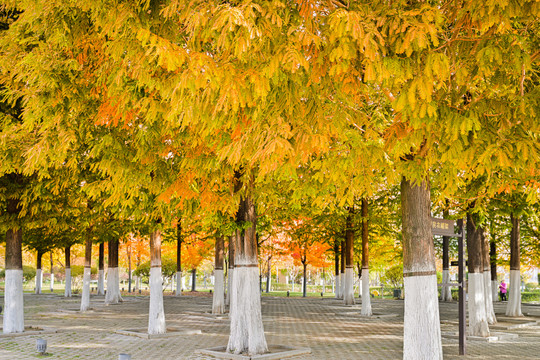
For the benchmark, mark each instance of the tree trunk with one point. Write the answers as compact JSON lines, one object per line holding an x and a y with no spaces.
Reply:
{"x":179,"y":258}
{"x":422,"y":331}
{"x":304,"y":277}
{"x":67,"y":254}
{"x":13,"y":321}
{"x":446,"y":290}
{"x":348,"y":292}
{"x":129,"y":267}
{"x":366,"y":298}
{"x":156,"y":313}
{"x":193,"y":279}
{"x":218,"y":303}
{"x":478,"y":325}
{"x":85,"y":297}
{"x":230,"y":272}
{"x":101,"y":270}
{"x":113,"y":296}
{"x":513,"y":308}
{"x":488,"y":293}
{"x":268,"y":275}
{"x":337,"y":284}
{"x":39,"y":272}
{"x":52,"y":272}
{"x":493,"y":262}
{"x":247,"y":332}
{"x":342,"y":269}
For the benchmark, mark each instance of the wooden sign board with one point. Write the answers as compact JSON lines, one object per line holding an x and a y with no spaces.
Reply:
{"x":443,"y":227}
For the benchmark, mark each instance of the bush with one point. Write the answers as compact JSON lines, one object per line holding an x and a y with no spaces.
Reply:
{"x":394,"y":276}
{"x":530,"y":296}
{"x":28,"y":273}
{"x":168,"y":269}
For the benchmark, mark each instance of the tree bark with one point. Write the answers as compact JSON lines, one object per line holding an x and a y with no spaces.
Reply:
{"x":230,"y":272}
{"x":478,"y":325}
{"x":304,"y":276}
{"x":179,"y":258}
{"x":446,"y":291}
{"x":113,"y":296}
{"x":193,"y":279}
{"x":348,"y":293}
{"x":39,"y":272}
{"x":493,"y":262}
{"x":101,"y":269}
{"x":342,"y":269}
{"x":67,"y":255}
{"x":366,"y":298}
{"x":156,"y":314}
{"x":85,"y":297}
{"x":513,"y":308}
{"x":247,"y":332}
{"x":268,"y":274}
{"x":218,"y":303}
{"x":488,"y":293}
{"x":422,"y":332}
{"x":52,"y":272}
{"x":13,"y":320}
{"x":337,"y":284}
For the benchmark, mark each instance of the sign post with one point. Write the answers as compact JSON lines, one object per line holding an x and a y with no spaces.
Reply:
{"x":446,"y":227}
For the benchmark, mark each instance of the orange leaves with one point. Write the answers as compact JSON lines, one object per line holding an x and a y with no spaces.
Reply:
{"x":112,"y":114}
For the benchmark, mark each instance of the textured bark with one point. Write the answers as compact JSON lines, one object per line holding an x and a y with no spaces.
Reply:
{"x":513,"y":308}
{"x":342,"y":269}
{"x":218,"y":301}
{"x":474,"y":245}
{"x":304,"y":276}
{"x":13,"y":319}
{"x":247,"y":332}
{"x":156,"y":313}
{"x":493,"y":261}
{"x":113,"y":295}
{"x":230,"y":272}
{"x":422,"y":332}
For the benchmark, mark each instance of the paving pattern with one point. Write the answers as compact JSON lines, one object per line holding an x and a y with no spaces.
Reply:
{"x":330,"y":329}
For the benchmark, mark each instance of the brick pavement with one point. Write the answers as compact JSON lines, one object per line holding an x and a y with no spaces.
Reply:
{"x":331,"y":330}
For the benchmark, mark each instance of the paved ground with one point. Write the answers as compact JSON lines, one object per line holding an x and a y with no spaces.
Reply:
{"x":331,"y":330}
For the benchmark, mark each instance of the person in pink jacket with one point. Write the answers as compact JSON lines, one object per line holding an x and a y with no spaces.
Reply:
{"x":502,"y":288}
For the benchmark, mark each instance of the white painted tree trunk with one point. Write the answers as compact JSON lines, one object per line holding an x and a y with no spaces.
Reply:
{"x":247,"y":332}
{"x":156,"y":313}
{"x":52,"y":282}
{"x":478,"y":325}
{"x":360,"y":286}
{"x":67,"y":289}
{"x":342,"y":287}
{"x":113,"y":296}
{"x":446,"y":290}
{"x":137,"y":283}
{"x":13,"y":321}
{"x":421,"y":328}
{"x":495,"y":290}
{"x":218,"y":303}
{"x":101,"y":282}
{"x":513,"y":308}
{"x":338,"y":286}
{"x":85,"y":297}
{"x":39,"y":280}
{"x":490,"y":312}
{"x":178,"y":283}
{"x":366,"y":298}
{"x":229,"y":287}
{"x":348,"y":293}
